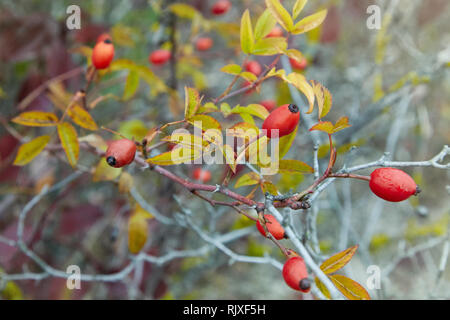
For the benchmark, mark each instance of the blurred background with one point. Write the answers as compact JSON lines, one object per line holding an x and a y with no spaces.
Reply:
{"x":393,"y":83}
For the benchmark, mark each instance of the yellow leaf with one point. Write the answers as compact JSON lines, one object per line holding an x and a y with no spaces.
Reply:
{"x":269,"y":46}
{"x":176,"y":156}
{"x":298,"y":7}
{"x":184,"y":11}
{"x":233,"y":69}
{"x":94,"y":140}
{"x":69,"y":141}
{"x":28,"y":151}
{"x":137,"y":232}
{"x":123,"y":35}
{"x":191,"y":102}
{"x":341,"y":123}
{"x":265,"y":23}
{"x":247,"y":179}
{"x":280,"y":14}
{"x":310,"y":22}
{"x":81,"y":117}
{"x":243,"y":130}
{"x":294,"y":166}
{"x":104,"y":172}
{"x":247,"y":39}
{"x":131,"y":85}
{"x":252,"y":109}
{"x":204,"y":122}
{"x":286,"y":141}
{"x":133,"y":129}
{"x":125,"y":182}
{"x":322,"y":288}
{"x":187,"y":140}
{"x":270,"y":188}
{"x":338,"y":260}
{"x":299,"y":81}
{"x":36,"y":119}
{"x":349,"y":288}
{"x":325,"y":126}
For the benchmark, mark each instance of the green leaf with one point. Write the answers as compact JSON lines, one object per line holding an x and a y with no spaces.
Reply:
{"x":250,"y":77}
{"x":310,"y":22}
{"x":191,"y":102}
{"x":247,"y":39}
{"x":298,"y":7}
{"x":225,"y":109}
{"x":252,"y":109}
{"x":338,"y":260}
{"x":349,"y":288}
{"x":184,"y":11}
{"x":286,"y":141}
{"x":294,"y":166}
{"x":28,"y":151}
{"x":280,"y":14}
{"x":269,"y":46}
{"x":131,"y":85}
{"x":266,"y":22}
{"x":248,"y":179}
{"x":233,"y":69}
{"x":69,"y":141}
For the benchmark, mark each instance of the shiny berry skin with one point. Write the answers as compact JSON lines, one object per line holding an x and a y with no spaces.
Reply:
{"x":273,"y":226}
{"x":204,"y":44}
{"x":159,"y":57}
{"x":275,"y":32}
{"x":120,"y":153}
{"x":392,"y":184}
{"x":103,"y":37}
{"x":221,"y":7}
{"x":284,"y":118}
{"x":103,"y":54}
{"x":202,"y":175}
{"x":269,"y":104}
{"x":253,"y":67}
{"x":300,"y":65}
{"x":295,"y":274}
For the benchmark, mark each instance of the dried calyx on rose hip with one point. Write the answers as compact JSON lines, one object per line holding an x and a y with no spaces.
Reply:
{"x":295,"y":274}
{"x":392,"y":184}
{"x":284,"y":119}
{"x":273,"y":226}
{"x":103,"y":54}
{"x":120,"y":153}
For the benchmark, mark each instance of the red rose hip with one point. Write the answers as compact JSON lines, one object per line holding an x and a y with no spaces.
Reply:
{"x":159,"y":57}
{"x":295,"y":274}
{"x":392,"y":184}
{"x":300,"y":65}
{"x":253,"y":67}
{"x":103,"y":54}
{"x":284,"y":119}
{"x":202,"y":175}
{"x":275,"y":32}
{"x":120,"y":153}
{"x":269,"y":104}
{"x":221,"y":7}
{"x":273,"y":226}
{"x":204,"y":44}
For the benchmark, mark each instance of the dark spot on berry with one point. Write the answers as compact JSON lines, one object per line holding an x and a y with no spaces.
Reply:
{"x":285,"y":236}
{"x":111,"y":161}
{"x":418,"y":190}
{"x":305,"y":284}
{"x":293,"y":108}
{"x":108,"y":41}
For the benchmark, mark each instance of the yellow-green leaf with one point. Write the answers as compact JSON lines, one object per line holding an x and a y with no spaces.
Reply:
{"x":250,"y":77}
{"x":135,"y":129}
{"x":137,"y":232}
{"x":310,"y":22}
{"x":252,"y":109}
{"x":187,"y":140}
{"x":294,"y":166}
{"x":176,"y":156}
{"x":247,"y":179}
{"x":191,"y":102}
{"x":233,"y":69}
{"x":349,"y":288}
{"x":269,"y":187}
{"x":36,"y":119}
{"x":269,"y":46}
{"x":322,"y":288}
{"x":94,"y":140}
{"x":69,"y":141}
{"x":338,"y":260}
{"x":298,"y":7}
{"x":323,"y":98}
{"x":280,"y":14}
{"x":286,"y":141}
{"x":265,"y":23}
{"x":325,"y":126}
{"x":243,"y":130}
{"x":81,"y":117}
{"x":184,"y":11}
{"x":131,"y":85}
{"x":247,"y":39}
{"x":342,"y":123}
{"x":28,"y":151}
{"x":295,"y":54}
{"x":299,"y":81}
{"x":104,"y":172}
{"x":204,"y":122}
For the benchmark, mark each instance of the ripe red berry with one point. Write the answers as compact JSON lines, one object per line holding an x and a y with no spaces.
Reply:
{"x":159,"y":56}
{"x":221,"y":7}
{"x":253,"y":67}
{"x":392,"y":184}
{"x":120,"y":153}
{"x":103,"y":54}
{"x":276,"y":32}
{"x":268,"y":104}
{"x":300,"y":65}
{"x":204,"y":44}
{"x":284,"y":119}
{"x":273,"y":226}
{"x":295,"y":274}
{"x":202,"y":175}
{"x":103,"y":37}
